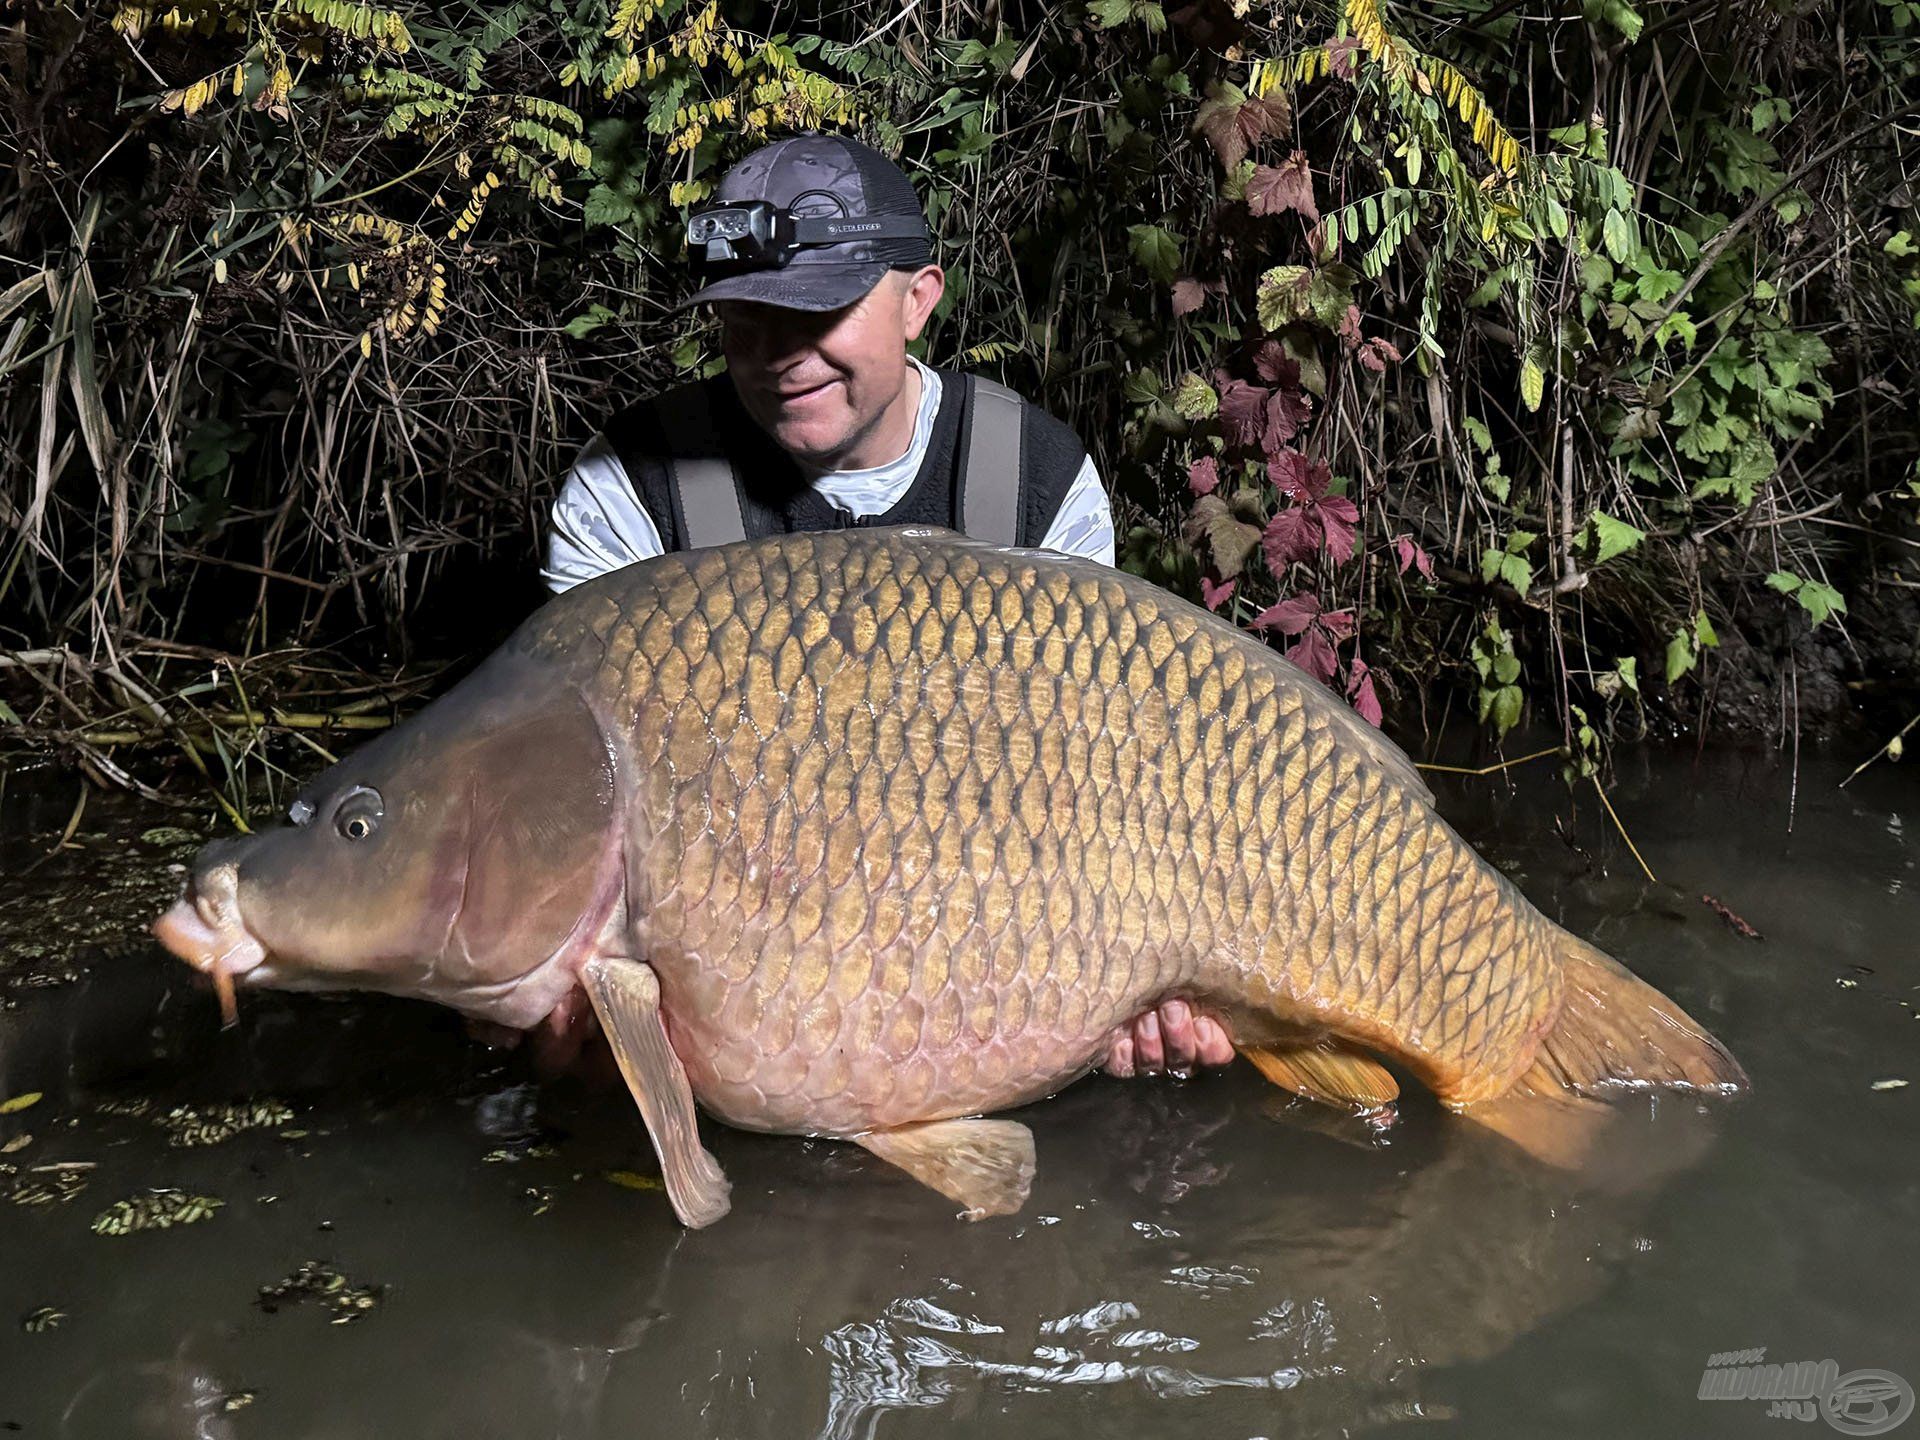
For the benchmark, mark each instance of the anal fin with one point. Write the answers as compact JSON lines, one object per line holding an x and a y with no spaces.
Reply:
{"x":626,"y":997}
{"x":1327,"y":1071}
{"x":985,"y":1165}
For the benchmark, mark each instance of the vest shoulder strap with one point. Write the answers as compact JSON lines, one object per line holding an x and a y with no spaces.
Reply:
{"x":705,"y":488}
{"x":991,"y":467}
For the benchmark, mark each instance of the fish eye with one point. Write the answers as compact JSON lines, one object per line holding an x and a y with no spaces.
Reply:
{"x":300,"y":812}
{"x":359,"y":812}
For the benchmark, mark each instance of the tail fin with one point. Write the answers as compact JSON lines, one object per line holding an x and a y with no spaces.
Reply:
{"x":1615,"y":1029}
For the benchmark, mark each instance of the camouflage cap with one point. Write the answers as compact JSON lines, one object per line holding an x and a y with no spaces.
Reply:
{"x":829,"y":176}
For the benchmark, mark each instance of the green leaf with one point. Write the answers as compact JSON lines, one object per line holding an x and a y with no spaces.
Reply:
{"x":1628,"y":669}
{"x":1283,"y":296}
{"x":1111,"y":14}
{"x":1820,"y":601}
{"x":1613,"y":537}
{"x":606,"y":206}
{"x":590,"y":320}
{"x":1680,"y":325}
{"x":1156,"y":250}
{"x":1141,"y":387}
{"x":1622,"y":17}
{"x":1506,"y":708}
{"x":1617,"y":235}
{"x":1680,"y":655}
{"x":1515,"y":570}
{"x":1901,"y":245}
{"x":1194,"y":398}
{"x":1330,"y":293}
{"x":1783,"y":581}
{"x":1704,"y":635}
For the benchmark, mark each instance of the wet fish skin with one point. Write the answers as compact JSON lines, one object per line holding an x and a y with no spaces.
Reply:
{"x":857,"y":831}
{"x":919,"y":822}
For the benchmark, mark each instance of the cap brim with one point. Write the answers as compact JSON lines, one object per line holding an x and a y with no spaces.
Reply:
{"x":797,"y":287}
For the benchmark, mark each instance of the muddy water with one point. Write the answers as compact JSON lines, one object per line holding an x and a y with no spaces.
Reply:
{"x":452,"y":1249}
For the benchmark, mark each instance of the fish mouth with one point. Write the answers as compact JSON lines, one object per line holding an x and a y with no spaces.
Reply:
{"x":204,"y":929}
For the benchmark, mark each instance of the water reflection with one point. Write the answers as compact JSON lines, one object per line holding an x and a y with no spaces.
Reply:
{"x":1205,"y":1259}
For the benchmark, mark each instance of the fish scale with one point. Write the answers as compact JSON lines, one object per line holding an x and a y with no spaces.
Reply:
{"x":860,"y":834}
{"x":919,"y":801}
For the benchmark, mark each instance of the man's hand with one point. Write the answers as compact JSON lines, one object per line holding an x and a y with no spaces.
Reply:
{"x":1170,"y":1038}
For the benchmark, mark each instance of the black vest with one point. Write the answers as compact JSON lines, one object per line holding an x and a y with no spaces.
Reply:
{"x":776,"y":498}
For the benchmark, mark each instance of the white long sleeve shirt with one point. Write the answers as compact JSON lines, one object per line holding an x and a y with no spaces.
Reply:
{"x":599,"y":523}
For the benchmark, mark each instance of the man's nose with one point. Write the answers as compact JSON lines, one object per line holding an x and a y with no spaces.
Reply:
{"x":769,"y":340}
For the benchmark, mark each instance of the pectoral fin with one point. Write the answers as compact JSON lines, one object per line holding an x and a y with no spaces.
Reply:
{"x":1327,"y":1071}
{"x":626,"y":997}
{"x":986,"y":1165}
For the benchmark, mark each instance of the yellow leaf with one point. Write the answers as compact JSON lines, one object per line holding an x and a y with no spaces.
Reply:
{"x":366,"y":343}
{"x":632,"y":1180}
{"x":20,"y":1102}
{"x":1533,"y":383}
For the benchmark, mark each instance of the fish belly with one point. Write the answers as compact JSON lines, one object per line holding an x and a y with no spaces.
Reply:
{"x":915,"y":823}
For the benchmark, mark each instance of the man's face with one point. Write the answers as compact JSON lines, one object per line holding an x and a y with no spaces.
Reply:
{"x":819,"y":382}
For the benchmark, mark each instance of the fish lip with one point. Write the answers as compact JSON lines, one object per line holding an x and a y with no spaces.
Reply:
{"x":204,"y":927}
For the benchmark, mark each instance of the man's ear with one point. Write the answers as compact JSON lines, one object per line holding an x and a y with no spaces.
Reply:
{"x":923,"y":292}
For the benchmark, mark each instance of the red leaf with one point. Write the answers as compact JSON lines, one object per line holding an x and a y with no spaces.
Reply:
{"x":1287,"y":411}
{"x":1338,"y":518}
{"x":1297,"y":476}
{"x":1360,"y":691}
{"x":1377,"y":353}
{"x":1243,"y":412}
{"x":1411,"y":554}
{"x":1203,"y":477}
{"x":1293,"y":534}
{"x":1350,"y":326}
{"x":1313,"y":654}
{"x":1220,"y":121}
{"x":1275,"y":189}
{"x":1215,"y":595}
{"x":1273,"y":365}
{"x":1338,"y":624}
{"x":1290,"y":616}
{"x":1259,"y":119}
{"x":1341,"y":55}
{"x":1188,"y":296}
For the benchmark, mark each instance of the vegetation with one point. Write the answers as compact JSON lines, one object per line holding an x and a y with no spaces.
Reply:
{"x":1564,"y":357}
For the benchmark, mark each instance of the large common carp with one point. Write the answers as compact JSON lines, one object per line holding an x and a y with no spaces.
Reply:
{"x":863,"y":834}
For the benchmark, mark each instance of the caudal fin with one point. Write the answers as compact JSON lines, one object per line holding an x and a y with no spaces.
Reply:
{"x":1616,"y":1030}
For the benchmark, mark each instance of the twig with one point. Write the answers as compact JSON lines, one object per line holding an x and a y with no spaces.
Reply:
{"x":1887,"y":748}
{"x":1599,"y":790}
{"x":1487,"y":769}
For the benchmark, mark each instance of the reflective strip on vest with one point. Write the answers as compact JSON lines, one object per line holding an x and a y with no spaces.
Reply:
{"x":990,"y":479}
{"x":702,"y":476}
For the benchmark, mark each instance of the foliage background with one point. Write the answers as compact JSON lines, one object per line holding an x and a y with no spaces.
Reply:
{"x":1555,"y":356}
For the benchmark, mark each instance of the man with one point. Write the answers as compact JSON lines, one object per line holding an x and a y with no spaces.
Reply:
{"x":817,"y":258}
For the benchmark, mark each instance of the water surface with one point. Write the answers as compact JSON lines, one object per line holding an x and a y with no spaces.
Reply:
{"x":1204,"y":1258}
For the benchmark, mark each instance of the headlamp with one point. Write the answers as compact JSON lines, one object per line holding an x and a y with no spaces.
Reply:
{"x":759,"y":235}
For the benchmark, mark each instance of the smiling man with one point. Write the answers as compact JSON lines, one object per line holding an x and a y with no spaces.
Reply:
{"x":817,"y":259}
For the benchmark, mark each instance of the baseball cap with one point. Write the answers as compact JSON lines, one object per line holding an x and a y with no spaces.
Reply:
{"x":824,"y":176}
